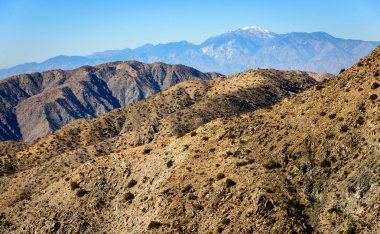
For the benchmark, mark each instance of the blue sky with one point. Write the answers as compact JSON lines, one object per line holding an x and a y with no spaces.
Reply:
{"x":34,"y":30}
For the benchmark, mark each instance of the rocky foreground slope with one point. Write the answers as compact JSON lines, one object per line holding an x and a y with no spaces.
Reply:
{"x":307,"y":164}
{"x":34,"y":105}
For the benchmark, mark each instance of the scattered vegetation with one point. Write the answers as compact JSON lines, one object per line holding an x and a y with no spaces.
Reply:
{"x":272,"y":165}
{"x":360,"y":120}
{"x":147,"y":151}
{"x":81,"y":192}
{"x":74,"y":185}
{"x":343,"y":128}
{"x":169,"y":163}
{"x":332,"y":116}
{"x":226,"y":221}
{"x":154,"y":225}
{"x":319,"y":87}
{"x":199,"y":206}
{"x":325,"y":163}
{"x":220,"y":176}
{"x":373,"y":97}
{"x":193,"y":133}
{"x":129,"y":197}
{"x":375,"y":85}
{"x":187,"y":188}
{"x":230,"y":183}
{"x":132,"y":183}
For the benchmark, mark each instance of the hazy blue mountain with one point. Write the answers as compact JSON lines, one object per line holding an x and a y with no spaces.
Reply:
{"x":235,"y":51}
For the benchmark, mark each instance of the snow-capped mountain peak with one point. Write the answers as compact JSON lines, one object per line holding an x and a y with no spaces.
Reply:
{"x":256,"y":29}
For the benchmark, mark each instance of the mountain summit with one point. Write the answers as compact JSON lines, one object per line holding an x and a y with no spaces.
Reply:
{"x":231,"y":52}
{"x":255,"y":28}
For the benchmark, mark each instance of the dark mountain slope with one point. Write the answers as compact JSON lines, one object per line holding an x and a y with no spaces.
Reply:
{"x":34,"y":105}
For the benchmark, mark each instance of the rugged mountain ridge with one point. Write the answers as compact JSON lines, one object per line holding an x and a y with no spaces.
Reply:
{"x":306,"y":164}
{"x":231,"y":52}
{"x":34,"y":105}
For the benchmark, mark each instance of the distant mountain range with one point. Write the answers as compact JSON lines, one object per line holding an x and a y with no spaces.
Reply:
{"x":235,"y":51}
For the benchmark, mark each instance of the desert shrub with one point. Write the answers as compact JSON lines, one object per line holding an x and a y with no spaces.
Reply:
{"x":74,"y":185}
{"x":343,"y":128}
{"x":342,"y":70}
{"x":81,"y":192}
{"x":325,"y":163}
{"x":375,"y":85}
{"x":169,"y":163}
{"x":272,"y":165}
{"x":360,"y":120}
{"x":193,"y":133}
{"x":332,"y":116}
{"x":132,"y":183}
{"x":245,"y":163}
{"x":220,"y":176}
{"x":199,"y":206}
{"x":226,"y":221}
{"x":322,"y":113}
{"x":319,"y":87}
{"x":230,"y":183}
{"x":192,"y":197}
{"x":351,"y":189}
{"x":147,"y":151}
{"x":129,"y":196}
{"x":373,"y":97}
{"x":154,"y":225}
{"x":205,"y":138}
{"x":187,"y":188}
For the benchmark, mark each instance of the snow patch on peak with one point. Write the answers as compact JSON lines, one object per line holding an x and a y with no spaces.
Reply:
{"x":255,"y":28}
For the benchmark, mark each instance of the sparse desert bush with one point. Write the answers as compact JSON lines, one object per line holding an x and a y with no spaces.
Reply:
{"x":192,"y":197}
{"x":154,"y":225}
{"x":230,"y":183}
{"x":272,"y":165}
{"x":319,"y":87}
{"x":129,"y":196}
{"x":147,"y":151}
{"x":199,"y":206}
{"x":220,"y":176}
{"x":373,"y":97}
{"x":74,"y":185}
{"x":332,"y":116}
{"x":193,"y":133}
{"x":187,"y":188}
{"x":132,"y":183}
{"x":375,"y":85}
{"x":169,"y":163}
{"x":343,"y":128}
{"x":325,"y":163}
{"x":360,"y":120}
{"x":81,"y":192}
{"x":226,"y":221}
{"x":205,"y":138}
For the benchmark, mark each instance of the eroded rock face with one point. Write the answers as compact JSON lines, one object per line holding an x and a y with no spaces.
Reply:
{"x":34,"y":105}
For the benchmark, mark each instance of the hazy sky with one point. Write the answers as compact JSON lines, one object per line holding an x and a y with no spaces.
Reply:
{"x":34,"y":30}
